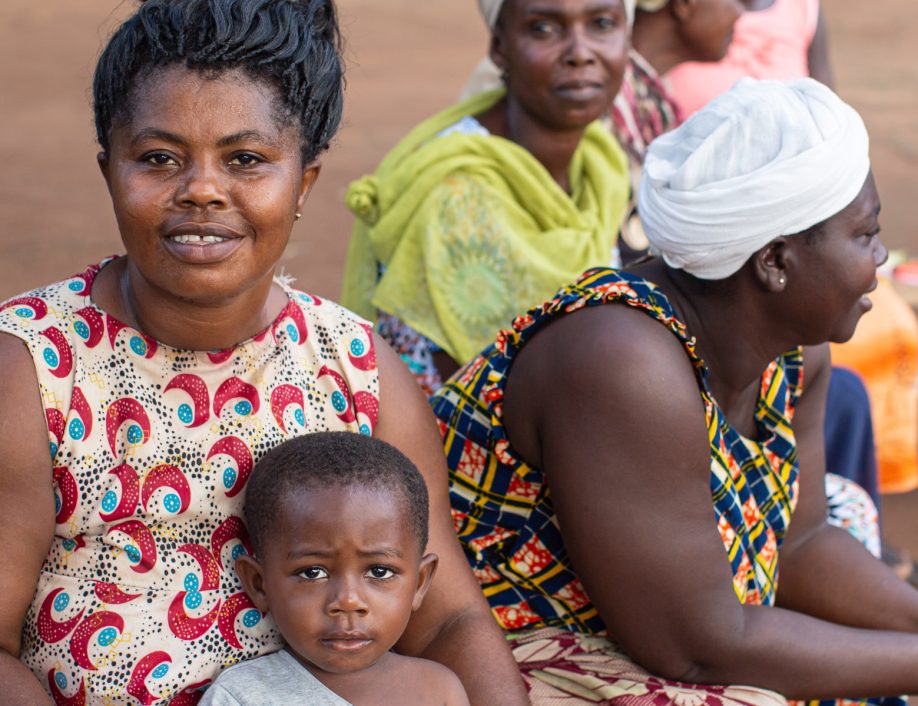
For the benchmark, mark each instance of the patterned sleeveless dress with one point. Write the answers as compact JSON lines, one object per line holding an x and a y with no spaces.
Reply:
{"x":503,"y":512}
{"x":138,"y":601}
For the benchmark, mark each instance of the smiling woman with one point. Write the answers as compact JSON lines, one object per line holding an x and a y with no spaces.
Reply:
{"x":159,"y":378}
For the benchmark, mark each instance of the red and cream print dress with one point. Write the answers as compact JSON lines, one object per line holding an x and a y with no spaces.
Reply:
{"x":138,"y":601}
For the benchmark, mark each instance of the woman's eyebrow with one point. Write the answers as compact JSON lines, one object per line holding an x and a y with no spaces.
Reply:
{"x":152,"y":133}
{"x":254,"y":135}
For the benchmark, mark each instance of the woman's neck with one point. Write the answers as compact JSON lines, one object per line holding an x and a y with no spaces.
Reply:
{"x":732,"y":332}
{"x":554,"y":149}
{"x":120,"y":290}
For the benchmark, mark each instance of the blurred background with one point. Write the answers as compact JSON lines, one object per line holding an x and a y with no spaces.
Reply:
{"x":405,"y":60}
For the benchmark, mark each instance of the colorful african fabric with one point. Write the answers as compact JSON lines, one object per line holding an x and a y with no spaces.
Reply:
{"x":471,"y":229}
{"x":502,"y":507}
{"x":503,"y":513}
{"x":564,"y":668}
{"x":850,"y":507}
{"x":643,"y":110}
{"x":151,"y":447}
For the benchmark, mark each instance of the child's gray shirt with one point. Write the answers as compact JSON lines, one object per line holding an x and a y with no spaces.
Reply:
{"x":273,"y":680}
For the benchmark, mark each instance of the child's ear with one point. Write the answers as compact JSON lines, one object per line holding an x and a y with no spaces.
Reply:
{"x":426,"y":572}
{"x":253,"y":582}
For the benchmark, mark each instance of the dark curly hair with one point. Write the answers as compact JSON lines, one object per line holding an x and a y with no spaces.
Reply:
{"x":294,"y":45}
{"x":333,"y":459}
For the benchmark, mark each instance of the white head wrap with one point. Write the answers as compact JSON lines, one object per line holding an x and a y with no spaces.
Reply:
{"x":486,"y":76}
{"x":490,"y":9}
{"x":767,"y":158}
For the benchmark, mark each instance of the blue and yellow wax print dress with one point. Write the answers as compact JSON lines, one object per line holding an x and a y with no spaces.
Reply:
{"x":502,"y":507}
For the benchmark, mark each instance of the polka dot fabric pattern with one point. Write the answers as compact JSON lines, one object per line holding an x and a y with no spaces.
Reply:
{"x":151,"y":447}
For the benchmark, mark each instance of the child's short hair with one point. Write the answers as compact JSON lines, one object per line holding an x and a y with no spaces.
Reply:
{"x":332,"y":459}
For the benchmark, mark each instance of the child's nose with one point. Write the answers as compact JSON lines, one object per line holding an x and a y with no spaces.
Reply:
{"x":346,"y":597}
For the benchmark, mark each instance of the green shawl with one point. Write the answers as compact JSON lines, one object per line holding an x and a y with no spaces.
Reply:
{"x":472,"y":230}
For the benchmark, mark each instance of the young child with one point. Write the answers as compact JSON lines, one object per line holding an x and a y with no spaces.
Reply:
{"x":338,"y":523}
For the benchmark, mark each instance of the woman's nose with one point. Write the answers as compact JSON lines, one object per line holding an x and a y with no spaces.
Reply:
{"x":880,"y":253}
{"x":202,"y":186}
{"x":579,"y":50}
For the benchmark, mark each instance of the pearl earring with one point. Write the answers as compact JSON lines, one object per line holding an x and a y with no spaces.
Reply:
{"x":781,"y":281}
{"x":298,"y":215}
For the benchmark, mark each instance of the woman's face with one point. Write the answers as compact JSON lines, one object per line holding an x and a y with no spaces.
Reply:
{"x":710,"y":29}
{"x":563,"y":59}
{"x":205,"y":181}
{"x":837,"y":270}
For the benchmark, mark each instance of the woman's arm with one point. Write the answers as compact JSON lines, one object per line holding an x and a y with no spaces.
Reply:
{"x":865,"y":593}
{"x":26,"y":513}
{"x":612,"y":408}
{"x":818,"y":54}
{"x":454,"y":626}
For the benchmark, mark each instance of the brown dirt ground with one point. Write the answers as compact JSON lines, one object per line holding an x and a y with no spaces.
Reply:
{"x":406,"y":58}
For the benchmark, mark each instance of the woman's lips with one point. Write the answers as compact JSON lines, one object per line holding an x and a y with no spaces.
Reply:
{"x":579,"y":90}
{"x":202,"y":244}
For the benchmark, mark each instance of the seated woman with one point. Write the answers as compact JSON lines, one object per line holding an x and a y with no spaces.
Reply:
{"x":787,"y":39}
{"x":625,"y":461}
{"x":160,"y":377}
{"x":491,"y":205}
{"x":663,"y":34}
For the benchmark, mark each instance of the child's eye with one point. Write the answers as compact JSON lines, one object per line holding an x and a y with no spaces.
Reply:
{"x":314,"y":573}
{"x":159,"y":159}
{"x":380,"y":572}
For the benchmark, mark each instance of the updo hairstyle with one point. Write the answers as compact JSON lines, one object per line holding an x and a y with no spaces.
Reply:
{"x":294,"y":45}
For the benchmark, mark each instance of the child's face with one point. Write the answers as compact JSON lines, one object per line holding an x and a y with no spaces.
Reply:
{"x":340,"y":573}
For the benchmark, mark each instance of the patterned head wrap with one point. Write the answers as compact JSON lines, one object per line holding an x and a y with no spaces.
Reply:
{"x":767,"y":158}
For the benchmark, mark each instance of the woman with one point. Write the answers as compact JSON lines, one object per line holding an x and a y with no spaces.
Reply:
{"x":787,"y":39}
{"x":494,"y":203}
{"x":663,"y":34}
{"x":158,"y":378}
{"x":590,"y":446}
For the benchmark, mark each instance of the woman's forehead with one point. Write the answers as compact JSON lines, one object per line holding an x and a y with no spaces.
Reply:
{"x":231,"y":100}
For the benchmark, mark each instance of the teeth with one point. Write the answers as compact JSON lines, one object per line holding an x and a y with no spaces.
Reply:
{"x":197,"y":239}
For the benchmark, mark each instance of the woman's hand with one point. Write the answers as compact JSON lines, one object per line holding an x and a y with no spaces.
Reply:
{"x":26,"y":512}
{"x":454,"y":626}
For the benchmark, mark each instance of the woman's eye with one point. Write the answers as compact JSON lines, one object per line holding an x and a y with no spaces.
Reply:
{"x":160,"y":159}
{"x":244,"y":160}
{"x":381,"y":572}
{"x":542,"y":28}
{"x":314,"y":573}
{"x":606,"y":22}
